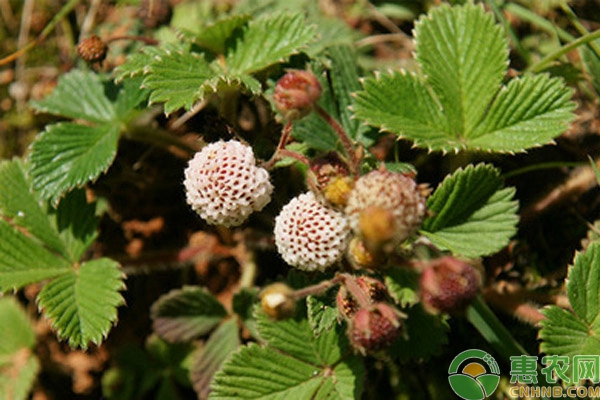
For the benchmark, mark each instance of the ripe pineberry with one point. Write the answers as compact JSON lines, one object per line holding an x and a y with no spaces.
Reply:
{"x":277,"y":301}
{"x":374,"y":328}
{"x":309,"y":235}
{"x":385,"y":208}
{"x":296,"y":93}
{"x":224,"y":185}
{"x":448,"y":285}
{"x":92,"y":49}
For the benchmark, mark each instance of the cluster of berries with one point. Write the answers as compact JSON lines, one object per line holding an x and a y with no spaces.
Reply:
{"x":363,"y":218}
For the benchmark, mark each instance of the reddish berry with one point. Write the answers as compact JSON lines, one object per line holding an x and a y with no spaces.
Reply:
{"x":92,"y":49}
{"x":296,"y":93}
{"x":449,"y":285}
{"x":374,"y":328}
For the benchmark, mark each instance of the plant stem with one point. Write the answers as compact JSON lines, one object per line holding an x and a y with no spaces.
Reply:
{"x":579,"y":26}
{"x":143,"y":39}
{"x":344,"y":138}
{"x":534,"y":19}
{"x":67,"y":8}
{"x":543,"y":63}
{"x":513,"y":36}
{"x":318,"y":288}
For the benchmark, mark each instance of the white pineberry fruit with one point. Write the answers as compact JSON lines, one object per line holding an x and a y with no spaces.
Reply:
{"x":385,"y":196}
{"x":309,"y":235}
{"x":224,"y":185}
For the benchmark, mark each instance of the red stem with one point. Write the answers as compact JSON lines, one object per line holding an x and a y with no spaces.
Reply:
{"x":344,"y":138}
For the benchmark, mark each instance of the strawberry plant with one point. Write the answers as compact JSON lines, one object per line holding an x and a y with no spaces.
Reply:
{"x":241,"y":201}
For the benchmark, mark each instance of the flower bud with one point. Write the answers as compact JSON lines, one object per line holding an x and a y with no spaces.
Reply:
{"x":296,"y":93}
{"x":448,"y":285}
{"x":277,"y":301}
{"x":374,"y":328}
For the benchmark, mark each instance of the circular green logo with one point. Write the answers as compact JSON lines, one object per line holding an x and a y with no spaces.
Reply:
{"x":474,"y":374}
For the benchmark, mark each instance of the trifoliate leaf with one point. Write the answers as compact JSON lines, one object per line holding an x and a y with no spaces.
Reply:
{"x":68,"y":155}
{"x":80,"y":95}
{"x":268,"y":40}
{"x":294,"y":365}
{"x":576,"y":333}
{"x":221,"y":343}
{"x":214,"y":37}
{"x":82,"y":303}
{"x":187,"y":313}
{"x":24,"y":261}
{"x":22,"y":206}
{"x":471,"y":215}
{"x":460,"y":102}
{"x":18,"y":362}
{"x":76,"y":222}
{"x":178,"y":79}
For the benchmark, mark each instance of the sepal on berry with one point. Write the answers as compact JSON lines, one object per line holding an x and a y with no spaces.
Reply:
{"x":296,"y":93}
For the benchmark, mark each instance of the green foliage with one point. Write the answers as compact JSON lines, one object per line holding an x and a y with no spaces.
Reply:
{"x":293,"y":363}
{"x":81,"y":298}
{"x":472,"y":215}
{"x":179,"y":76}
{"x":186,"y":313}
{"x":18,"y":363}
{"x":322,"y":313}
{"x":67,"y":155}
{"x":221,"y":344}
{"x":573,"y":333}
{"x":82,"y":303}
{"x":459,"y":102}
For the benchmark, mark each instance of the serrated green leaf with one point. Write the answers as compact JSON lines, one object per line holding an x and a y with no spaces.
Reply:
{"x":243,"y":304}
{"x":80,"y":95}
{"x":214,"y":37}
{"x":284,"y":370}
{"x":576,"y":333}
{"x":16,"y":330}
{"x":185,"y":314}
{"x":322,"y":315}
{"x":268,"y":40}
{"x":399,"y":102}
{"x":460,"y":102}
{"x":136,"y":64}
{"x":464,"y":56}
{"x":76,"y":221}
{"x":178,"y":78}
{"x":22,"y":206}
{"x":331,"y":32}
{"x":223,"y":341}
{"x":68,"y":155}
{"x":82,"y":303}
{"x":471,"y":215}
{"x":24,"y":261}
{"x":583,"y":283}
{"x":529,"y":112}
